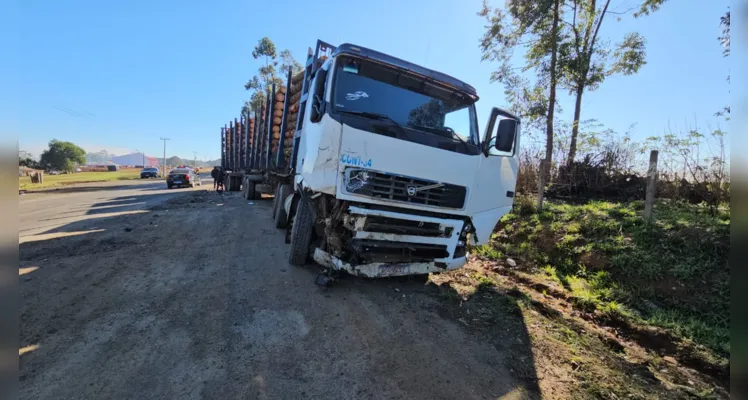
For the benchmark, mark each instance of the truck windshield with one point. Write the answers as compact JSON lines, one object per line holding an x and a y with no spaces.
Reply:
{"x":414,"y":103}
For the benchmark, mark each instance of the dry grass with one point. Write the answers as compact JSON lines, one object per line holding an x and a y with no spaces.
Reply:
{"x":50,"y":181}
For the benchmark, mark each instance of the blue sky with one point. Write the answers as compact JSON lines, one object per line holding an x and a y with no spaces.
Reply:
{"x":119,"y":75}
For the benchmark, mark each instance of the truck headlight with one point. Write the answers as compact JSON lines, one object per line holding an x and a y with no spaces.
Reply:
{"x":357,"y":180}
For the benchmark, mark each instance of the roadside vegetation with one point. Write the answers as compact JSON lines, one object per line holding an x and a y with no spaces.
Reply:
{"x":615,"y":306}
{"x":52,"y":181}
{"x":572,"y":356}
{"x":606,"y":296}
{"x":673,"y":274}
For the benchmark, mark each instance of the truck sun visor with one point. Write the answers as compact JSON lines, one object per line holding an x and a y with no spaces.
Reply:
{"x":351,"y":67}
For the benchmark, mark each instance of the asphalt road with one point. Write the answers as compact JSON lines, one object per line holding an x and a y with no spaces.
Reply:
{"x":43,"y":212}
{"x":187,"y":294}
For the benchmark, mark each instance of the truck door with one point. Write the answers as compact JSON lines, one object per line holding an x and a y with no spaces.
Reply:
{"x":493,"y":192}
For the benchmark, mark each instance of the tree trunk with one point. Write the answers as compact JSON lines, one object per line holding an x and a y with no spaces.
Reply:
{"x":552,"y":95}
{"x":575,"y":126}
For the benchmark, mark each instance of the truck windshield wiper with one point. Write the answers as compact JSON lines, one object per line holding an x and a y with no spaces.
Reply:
{"x":377,"y":116}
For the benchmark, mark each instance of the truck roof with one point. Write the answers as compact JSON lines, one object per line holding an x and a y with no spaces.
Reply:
{"x":347,"y":48}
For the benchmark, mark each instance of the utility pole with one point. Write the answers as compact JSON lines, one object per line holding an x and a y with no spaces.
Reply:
{"x":164,"y":139}
{"x":194,"y":160}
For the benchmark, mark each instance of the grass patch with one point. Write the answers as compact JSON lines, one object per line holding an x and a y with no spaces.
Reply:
{"x":555,"y":356}
{"x":50,"y":181}
{"x":672,"y":274}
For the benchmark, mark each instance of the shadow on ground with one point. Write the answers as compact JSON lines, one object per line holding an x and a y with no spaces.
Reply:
{"x":487,"y":315}
{"x":384,"y":312}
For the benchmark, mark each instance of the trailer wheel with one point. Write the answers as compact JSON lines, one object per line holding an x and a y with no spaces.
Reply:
{"x":279,"y":214}
{"x":250,"y":190}
{"x":301,"y":234}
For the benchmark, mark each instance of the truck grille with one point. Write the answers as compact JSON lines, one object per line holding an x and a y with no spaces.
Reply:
{"x":404,"y":189}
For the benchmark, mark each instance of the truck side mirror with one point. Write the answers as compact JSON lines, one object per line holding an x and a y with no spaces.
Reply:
{"x":318,"y":95}
{"x":505,"y":135}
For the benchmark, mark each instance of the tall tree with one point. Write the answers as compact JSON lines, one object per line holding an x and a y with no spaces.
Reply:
{"x":174,"y":161}
{"x":25,"y":159}
{"x":724,"y":40}
{"x":266,"y":48}
{"x":534,"y":25}
{"x":553,"y":71}
{"x":287,"y":61}
{"x":62,"y":156}
{"x":585,"y":57}
{"x":649,"y":6}
{"x":267,"y":75}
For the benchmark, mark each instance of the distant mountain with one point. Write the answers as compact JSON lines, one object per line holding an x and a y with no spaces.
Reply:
{"x":101,"y":157}
{"x":135,"y":159}
{"x":188,"y":162}
{"x":212,"y":163}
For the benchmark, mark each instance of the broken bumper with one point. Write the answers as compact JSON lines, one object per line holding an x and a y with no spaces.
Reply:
{"x":382,"y":270}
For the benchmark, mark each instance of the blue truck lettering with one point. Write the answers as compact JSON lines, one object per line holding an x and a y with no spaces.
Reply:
{"x":357,"y":161}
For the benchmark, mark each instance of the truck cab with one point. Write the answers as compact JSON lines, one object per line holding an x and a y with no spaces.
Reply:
{"x":392,"y":175}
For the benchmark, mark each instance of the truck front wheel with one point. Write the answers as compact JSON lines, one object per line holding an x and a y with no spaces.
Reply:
{"x":301,"y":233}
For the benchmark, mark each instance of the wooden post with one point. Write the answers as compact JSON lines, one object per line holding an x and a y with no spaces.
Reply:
{"x":541,"y":184}
{"x":651,"y":186}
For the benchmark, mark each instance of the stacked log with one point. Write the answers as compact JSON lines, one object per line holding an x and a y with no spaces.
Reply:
{"x":248,"y":131}
{"x":262,"y":136}
{"x":293,"y":112}
{"x":250,"y":138}
{"x":227,"y":143}
{"x":239,"y":132}
{"x":278,"y":104}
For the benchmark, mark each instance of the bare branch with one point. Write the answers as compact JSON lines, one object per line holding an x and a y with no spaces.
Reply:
{"x":597,"y":28}
{"x":622,"y":12}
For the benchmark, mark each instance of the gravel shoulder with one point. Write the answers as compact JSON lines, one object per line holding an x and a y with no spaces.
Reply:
{"x":194,"y":299}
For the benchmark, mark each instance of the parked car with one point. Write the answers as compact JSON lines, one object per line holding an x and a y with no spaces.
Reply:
{"x":149,"y":173}
{"x":183,"y":177}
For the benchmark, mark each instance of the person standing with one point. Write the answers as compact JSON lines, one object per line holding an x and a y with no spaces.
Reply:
{"x":221,"y":177}
{"x":214,"y":174}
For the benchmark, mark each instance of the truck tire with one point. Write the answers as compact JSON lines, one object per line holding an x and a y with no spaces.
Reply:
{"x":250,"y":190}
{"x":279,"y":214}
{"x":245,"y":184}
{"x":301,"y":234}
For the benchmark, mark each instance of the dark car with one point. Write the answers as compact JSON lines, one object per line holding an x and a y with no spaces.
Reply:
{"x":149,"y":173}
{"x":183,"y":177}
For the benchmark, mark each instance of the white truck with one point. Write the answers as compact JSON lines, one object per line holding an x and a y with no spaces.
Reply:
{"x":388,"y":173}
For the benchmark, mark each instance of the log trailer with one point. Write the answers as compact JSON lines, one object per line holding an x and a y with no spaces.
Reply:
{"x":376,"y":164}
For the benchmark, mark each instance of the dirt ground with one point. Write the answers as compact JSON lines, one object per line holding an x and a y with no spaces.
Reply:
{"x":194,"y":299}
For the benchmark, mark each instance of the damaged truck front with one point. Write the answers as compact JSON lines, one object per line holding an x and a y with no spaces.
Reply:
{"x":391,"y":175}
